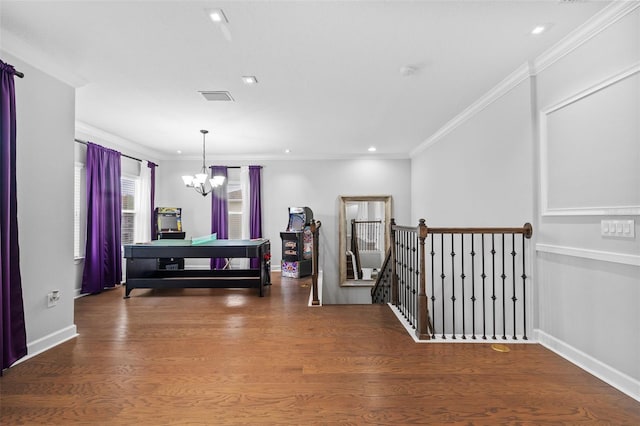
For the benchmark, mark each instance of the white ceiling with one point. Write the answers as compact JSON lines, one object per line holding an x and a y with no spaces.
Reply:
{"x":329,"y":74}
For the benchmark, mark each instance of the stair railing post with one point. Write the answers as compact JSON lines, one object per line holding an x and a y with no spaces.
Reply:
{"x":394,"y":276}
{"x":422,"y":328}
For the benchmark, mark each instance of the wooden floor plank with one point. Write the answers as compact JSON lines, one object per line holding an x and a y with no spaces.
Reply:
{"x":226,"y":356}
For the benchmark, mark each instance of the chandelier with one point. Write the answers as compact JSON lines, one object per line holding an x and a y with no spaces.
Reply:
{"x":201,"y":182}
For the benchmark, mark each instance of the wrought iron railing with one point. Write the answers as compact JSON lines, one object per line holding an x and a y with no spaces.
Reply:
{"x":471,"y":283}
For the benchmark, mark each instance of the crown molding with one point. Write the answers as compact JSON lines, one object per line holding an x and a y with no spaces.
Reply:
{"x":599,"y":22}
{"x":602,"y":20}
{"x":521,"y":74}
{"x":294,"y":157}
{"x":39,"y":59}
{"x":96,"y":135}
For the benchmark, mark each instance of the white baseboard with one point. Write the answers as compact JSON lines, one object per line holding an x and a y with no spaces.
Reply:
{"x":458,"y":337}
{"x":47,"y":342}
{"x":613,"y":377}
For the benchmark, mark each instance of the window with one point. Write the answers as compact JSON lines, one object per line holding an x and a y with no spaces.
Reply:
{"x":127,"y":221}
{"x":234,"y":200}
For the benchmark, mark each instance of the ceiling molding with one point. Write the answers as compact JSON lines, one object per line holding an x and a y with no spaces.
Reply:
{"x":521,"y":74}
{"x":599,"y":22}
{"x":291,"y":157}
{"x":608,"y":16}
{"x":22,"y":50}
{"x":109,"y":140}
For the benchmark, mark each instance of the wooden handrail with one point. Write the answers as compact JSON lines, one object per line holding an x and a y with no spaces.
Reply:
{"x":315,"y":227}
{"x":526,"y":230}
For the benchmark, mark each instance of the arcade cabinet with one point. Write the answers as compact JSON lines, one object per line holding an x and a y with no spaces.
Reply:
{"x":168,"y":222}
{"x":297,"y":244}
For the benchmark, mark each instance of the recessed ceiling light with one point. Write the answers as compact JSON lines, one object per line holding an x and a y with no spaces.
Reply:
{"x":179,"y":152}
{"x":539,"y":29}
{"x":217,"y":16}
{"x":249,"y":79}
{"x":372,"y":149}
{"x":287,"y":151}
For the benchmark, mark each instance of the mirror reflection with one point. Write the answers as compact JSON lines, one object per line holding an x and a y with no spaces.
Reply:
{"x":363,"y":237}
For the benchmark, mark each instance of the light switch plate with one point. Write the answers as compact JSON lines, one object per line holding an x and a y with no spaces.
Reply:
{"x":618,"y":228}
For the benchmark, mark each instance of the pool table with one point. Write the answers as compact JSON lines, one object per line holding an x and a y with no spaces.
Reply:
{"x":143,"y":259}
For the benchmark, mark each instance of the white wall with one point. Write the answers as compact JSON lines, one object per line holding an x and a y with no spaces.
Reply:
{"x":45,"y":122}
{"x":588,"y":308}
{"x":315,"y":184}
{"x":479,"y":174}
{"x":487,"y":171}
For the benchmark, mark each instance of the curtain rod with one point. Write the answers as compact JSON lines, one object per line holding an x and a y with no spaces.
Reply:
{"x":18,"y":73}
{"x":80,"y":141}
{"x":137,"y":159}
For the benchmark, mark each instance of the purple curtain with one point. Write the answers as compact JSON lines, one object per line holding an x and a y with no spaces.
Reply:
{"x":255,"y":208}
{"x":103,"y":259}
{"x":14,"y":338}
{"x":219,"y":212}
{"x":154,"y":231}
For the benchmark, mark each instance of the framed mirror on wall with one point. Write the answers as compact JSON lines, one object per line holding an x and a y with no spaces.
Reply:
{"x":363,"y":238}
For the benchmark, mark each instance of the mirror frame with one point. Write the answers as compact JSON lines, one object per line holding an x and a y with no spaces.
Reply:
{"x":342,"y":234}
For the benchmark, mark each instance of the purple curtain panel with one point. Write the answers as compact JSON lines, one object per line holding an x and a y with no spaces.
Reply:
{"x":255,"y":208}
{"x":102,"y":263}
{"x":14,"y":338}
{"x":152,"y":166}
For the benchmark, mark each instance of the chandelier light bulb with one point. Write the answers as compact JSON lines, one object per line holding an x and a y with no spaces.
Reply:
{"x":201,"y":182}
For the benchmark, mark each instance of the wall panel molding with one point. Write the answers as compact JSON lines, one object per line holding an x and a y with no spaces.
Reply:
{"x":603,"y":256}
{"x":568,"y":122}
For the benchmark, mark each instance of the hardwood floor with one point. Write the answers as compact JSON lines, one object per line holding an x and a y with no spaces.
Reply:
{"x":221,"y":356}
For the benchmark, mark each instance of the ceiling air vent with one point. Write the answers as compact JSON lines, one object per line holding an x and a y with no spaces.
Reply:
{"x":216,"y":96}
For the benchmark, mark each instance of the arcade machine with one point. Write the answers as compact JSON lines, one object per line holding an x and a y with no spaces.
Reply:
{"x":168,"y":221}
{"x":297,"y":244}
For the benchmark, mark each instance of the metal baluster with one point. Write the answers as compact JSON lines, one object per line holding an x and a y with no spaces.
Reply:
{"x":410,"y":283}
{"x":398,"y":271}
{"x":401,"y":283}
{"x":462,"y":276}
{"x":433,"y":293}
{"x":453,"y":290}
{"x":513,"y":273}
{"x":493,"y":276}
{"x":407,"y":292}
{"x":524,"y":291}
{"x":484,"y":296}
{"x":442,"y":276}
{"x":407,"y":284}
{"x":416,"y":277}
{"x":473,"y":290}
{"x":504,"y":298}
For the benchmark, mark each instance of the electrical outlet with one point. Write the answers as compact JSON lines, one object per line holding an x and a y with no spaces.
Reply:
{"x":52,"y":298}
